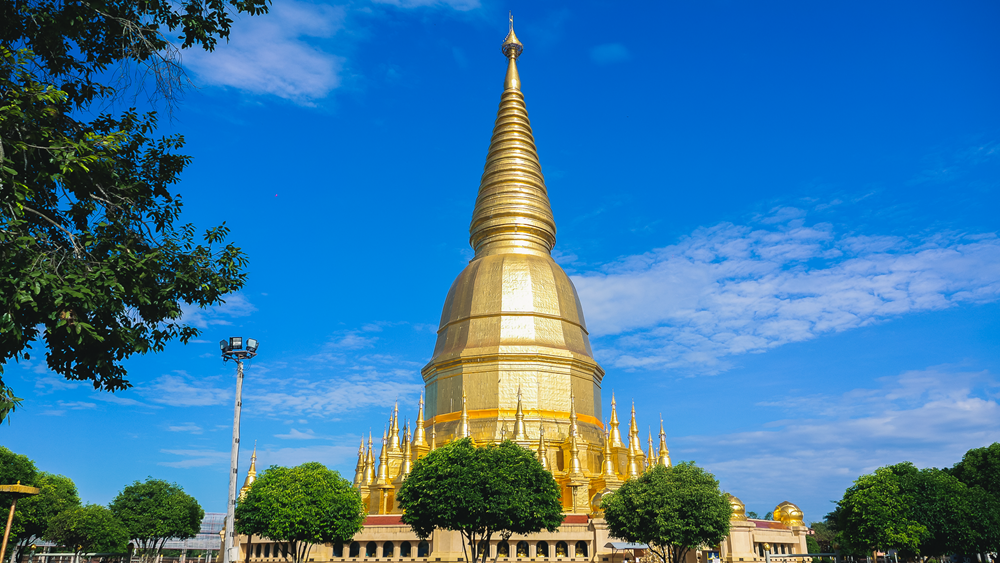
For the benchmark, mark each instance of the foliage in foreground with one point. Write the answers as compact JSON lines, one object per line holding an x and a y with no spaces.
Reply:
{"x":671,"y":509}
{"x":90,"y":529}
{"x":91,"y":260}
{"x":500,"y":489}
{"x":155,"y":511}
{"x":304,"y":505}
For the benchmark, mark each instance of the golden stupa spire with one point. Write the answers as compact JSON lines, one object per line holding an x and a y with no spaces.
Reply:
{"x":664,"y":457}
{"x":370,"y":462}
{"x":650,"y":457}
{"x":633,"y":433}
{"x":463,"y":429}
{"x":512,"y":213}
{"x":542,"y":452}
{"x":419,"y":438}
{"x":251,"y":473}
{"x":614,"y":435}
{"x":394,"y":429}
{"x":433,"y":436}
{"x":406,"y":465}
{"x":633,"y":466}
{"x":519,"y":432}
{"x":359,"y":470}
{"x":383,"y":462}
{"x":608,"y":466}
{"x":574,"y":428}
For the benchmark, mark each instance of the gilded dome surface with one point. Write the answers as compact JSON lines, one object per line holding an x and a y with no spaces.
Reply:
{"x":507,"y":302}
{"x":788,"y":514}
{"x":739,"y":509}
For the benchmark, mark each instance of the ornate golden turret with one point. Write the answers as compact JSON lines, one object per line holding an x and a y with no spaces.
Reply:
{"x":788,"y":514}
{"x":419,"y":438}
{"x":394,"y":429}
{"x":542,"y":452}
{"x":463,"y":428}
{"x":251,"y":473}
{"x":650,"y":456}
{"x":664,"y":455}
{"x":359,"y":470}
{"x":615,"y":435}
{"x":608,"y":464}
{"x":519,"y":433}
{"x":370,"y":462}
{"x":383,"y":463}
{"x":633,"y":465}
{"x":739,"y":509}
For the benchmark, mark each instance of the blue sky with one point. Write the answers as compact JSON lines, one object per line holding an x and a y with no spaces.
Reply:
{"x":781,"y":218}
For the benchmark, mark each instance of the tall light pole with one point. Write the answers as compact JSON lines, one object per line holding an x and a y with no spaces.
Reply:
{"x":233,"y":350}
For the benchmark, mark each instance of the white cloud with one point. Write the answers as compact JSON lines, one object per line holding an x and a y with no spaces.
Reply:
{"x":930,"y":417}
{"x":177,"y":390}
{"x":461,"y":5}
{"x":196,"y":458}
{"x":732,"y":289}
{"x":294,"y":434}
{"x":270,"y":54}
{"x":236,"y":305}
{"x":327,"y":455}
{"x":187,"y":427}
{"x":609,"y":53}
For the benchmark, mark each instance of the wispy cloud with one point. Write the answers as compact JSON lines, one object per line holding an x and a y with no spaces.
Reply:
{"x":823,"y":442}
{"x":181,"y":390}
{"x":187,"y":427}
{"x":294,"y":434}
{"x":196,"y":458}
{"x":609,"y":53}
{"x":271,"y":54}
{"x":237,"y":305}
{"x":329,"y":455}
{"x":462,"y":5}
{"x":736,"y":289}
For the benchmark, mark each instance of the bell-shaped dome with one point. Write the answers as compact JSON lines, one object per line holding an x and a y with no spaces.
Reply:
{"x":739,"y":509}
{"x":788,"y":514}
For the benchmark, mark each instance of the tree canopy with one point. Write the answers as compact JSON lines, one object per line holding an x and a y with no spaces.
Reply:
{"x":92,"y":260}
{"x":304,"y":505}
{"x":498,"y":489}
{"x":34,"y":513}
{"x":92,"y":528}
{"x":670,"y":509}
{"x":155,"y":511}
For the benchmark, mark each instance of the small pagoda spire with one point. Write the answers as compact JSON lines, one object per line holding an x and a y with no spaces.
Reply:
{"x":406,"y":465}
{"x":383,"y":462}
{"x":650,"y":457}
{"x":463,"y":430}
{"x":664,"y":457}
{"x":433,"y":436}
{"x":419,"y":437}
{"x":512,"y":213}
{"x":251,"y":473}
{"x":370,"y":462}
{"x":608,"y":466}
{"x":574,"y":428}
{"x":542,"y":452}
{"x":574,"y":456}
{"x":615,"y":435}
{"x":633,"y":434}
{"x":394,"y":429}
{"x":519,"y":433}
{"x":633,"y":465}
{"x":359,"y":470}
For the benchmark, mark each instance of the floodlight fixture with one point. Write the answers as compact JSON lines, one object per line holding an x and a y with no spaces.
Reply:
{"x":236,"y":342}
{"x":224,"y":346}
{"x":252,"y":345}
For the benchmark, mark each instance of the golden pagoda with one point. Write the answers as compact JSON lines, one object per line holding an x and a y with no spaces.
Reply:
{"x":513,"y":361}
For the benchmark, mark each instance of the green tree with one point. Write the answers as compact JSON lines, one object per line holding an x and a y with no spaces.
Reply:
{"x":877,"y":513}
{"x":92,"y":261}
{"x":14,"y":468}
{"x":752,"y":514}
{"x":304,"y":505}
{"x":670,"y":509}
{"x":980,"y":467}
{"x":57,"y":494}
{"x":91,"y":529}
{"x":155,"y":511}
{"x":500,"y":489}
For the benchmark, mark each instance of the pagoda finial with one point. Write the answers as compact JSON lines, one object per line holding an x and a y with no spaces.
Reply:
{"x":608,"y":466}
{"x":419,"y":437}
{"x":370,"y":461}
{"x":542,"y":450}
{"x":574,"y":429}
{"x":463,"y":430}
{"x":433,"y":436}
{"x":664,"y":457}
{"x":394,"y":429}
{"x":615,"y":434}
{"x":519,"y":432}
{"x":359,"y":470}
{"x":512,"y":213}
{"x":511,"y":47}
{"x":650,"y":457}
{"x":251,"y":473}
{"x":633,"y":434}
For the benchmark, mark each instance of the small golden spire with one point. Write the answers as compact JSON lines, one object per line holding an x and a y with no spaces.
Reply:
{"x":633,"y":434}
{"x":251,"y":473}
{"x":574,"y":429}
{"x":608,"y":467}
{"x":394,"y":429}
{"x":383,"y":462}
{"x":650,"y":457}
{"x":433,"y":436}
{"x":542,"y":450}
{"x":519,"y":433}
{"x":370,"y":462}
{"x":419,"y":439}
{"x":664,"y":457}
{"x":511,"y":47}
{"x":633,"y":466}
{"x":512,"y":213}
{"x":574,"y":453}
{"x":406,"y":465}
{"x":463,"y":430}
{"x":359,"y":470}
{"x":615,"y":435}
